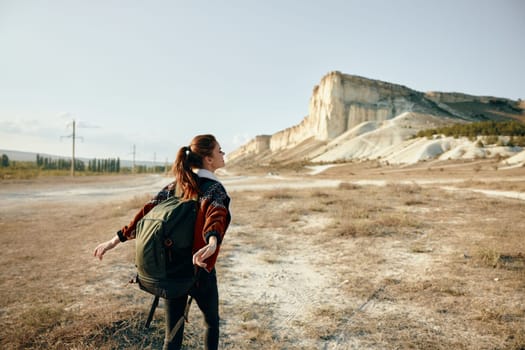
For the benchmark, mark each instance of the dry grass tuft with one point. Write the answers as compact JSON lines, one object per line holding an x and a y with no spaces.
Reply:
{"x":254,"y":329}
{"x":492,"y":258}
{"x":361,"y":221}
{"x":48,"y":327}
{"x":278,"y":194}
{"x":348,"y":186}
{"x":402,"y":189}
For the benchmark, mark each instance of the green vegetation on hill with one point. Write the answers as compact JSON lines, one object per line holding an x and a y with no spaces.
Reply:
{"x":485,"y":128}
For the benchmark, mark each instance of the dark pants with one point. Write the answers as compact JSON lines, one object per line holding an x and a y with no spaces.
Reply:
{"x":206,"y":295}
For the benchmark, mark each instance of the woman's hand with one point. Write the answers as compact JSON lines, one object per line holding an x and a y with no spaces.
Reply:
{"x":102,"y":248}
{"x":205,"y":252}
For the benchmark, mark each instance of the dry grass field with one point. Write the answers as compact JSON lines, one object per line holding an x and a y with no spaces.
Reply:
{"x":356,"y":257}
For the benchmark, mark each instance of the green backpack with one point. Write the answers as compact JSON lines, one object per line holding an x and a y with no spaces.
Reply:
{"x":164,"y":242}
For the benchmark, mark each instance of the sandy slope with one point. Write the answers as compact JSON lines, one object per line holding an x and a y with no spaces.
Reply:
{"x":391,"y":142}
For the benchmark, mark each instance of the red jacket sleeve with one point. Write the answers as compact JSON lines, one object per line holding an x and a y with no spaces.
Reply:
{"x":213,"y":219}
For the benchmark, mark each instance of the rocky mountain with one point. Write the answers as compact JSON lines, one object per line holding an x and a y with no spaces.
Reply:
{"x":352,"y":117}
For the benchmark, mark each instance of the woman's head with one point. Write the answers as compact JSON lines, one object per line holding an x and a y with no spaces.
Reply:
{"x":204,"y":152}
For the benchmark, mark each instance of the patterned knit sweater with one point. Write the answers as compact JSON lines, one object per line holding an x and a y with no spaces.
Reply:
{"x":213,"y":217}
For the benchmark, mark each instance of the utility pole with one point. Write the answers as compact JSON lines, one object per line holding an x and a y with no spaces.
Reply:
{"x":73,"y":136}
{"x":73,"y":154}
{"x":154,"y":161}
{"x":134,"y":152}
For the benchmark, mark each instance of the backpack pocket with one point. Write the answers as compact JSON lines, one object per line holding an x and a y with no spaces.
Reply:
{"x":150,"y":254}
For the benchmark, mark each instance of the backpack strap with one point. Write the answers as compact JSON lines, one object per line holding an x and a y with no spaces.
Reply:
{"x":183,"y":318}
{"x":152,"y":310}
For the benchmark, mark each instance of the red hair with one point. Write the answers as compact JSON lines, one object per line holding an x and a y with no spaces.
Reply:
{"x":188,"y":158}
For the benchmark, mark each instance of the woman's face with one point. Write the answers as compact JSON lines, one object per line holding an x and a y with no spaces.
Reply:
{"x":216,"y":160}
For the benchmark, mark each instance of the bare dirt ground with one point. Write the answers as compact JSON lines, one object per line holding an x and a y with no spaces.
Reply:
{"x":354,"y":256}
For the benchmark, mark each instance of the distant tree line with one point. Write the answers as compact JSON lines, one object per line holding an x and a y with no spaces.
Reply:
{"x":48,"y":163}
{"x":4,"y":163}
{"x":485,"y":128}
{"x":155,"y":169}
{"x":109,"y":165}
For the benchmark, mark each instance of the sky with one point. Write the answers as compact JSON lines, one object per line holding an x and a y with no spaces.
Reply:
{"x":150,"y":75}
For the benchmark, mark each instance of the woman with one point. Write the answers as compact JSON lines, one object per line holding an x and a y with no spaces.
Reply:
{"x":198,"y":160}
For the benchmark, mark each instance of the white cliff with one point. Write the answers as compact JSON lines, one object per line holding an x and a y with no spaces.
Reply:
{"x":352,"y":117}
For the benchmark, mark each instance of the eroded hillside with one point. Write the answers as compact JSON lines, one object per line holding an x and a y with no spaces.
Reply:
{"x":352,"y":117}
